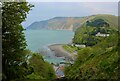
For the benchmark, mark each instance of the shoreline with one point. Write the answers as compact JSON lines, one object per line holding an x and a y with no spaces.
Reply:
{"x":60,"y":51}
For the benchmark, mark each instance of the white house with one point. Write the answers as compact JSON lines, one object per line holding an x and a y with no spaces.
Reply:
{"x":81,"y":46}
{"x":101,"y":35}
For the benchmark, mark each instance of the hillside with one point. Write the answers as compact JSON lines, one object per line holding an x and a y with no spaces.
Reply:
{"x":71,"y":23}
{"x":57,"y":23}
{"x":99,"y":59}
{"x":110,"y":19}
{"x":97,"y":62}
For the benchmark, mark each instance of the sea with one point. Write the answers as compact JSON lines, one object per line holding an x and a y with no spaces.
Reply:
{"x":39,"y":40}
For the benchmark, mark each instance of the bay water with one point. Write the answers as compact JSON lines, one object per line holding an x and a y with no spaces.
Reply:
{"x":39,"y":40}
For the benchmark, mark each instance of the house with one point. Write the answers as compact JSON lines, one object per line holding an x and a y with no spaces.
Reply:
{"x":72,"y":44}
{"x":59,"y":72}
{"x":78,"y":45}
{"x":101,"y":35}
{"x":81,"y":46}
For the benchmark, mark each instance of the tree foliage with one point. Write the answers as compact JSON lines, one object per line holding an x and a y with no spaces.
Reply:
{"x":13,"y":39}
{"x":97,"y":62}
{"x":16,"y":62}
{"x":86,"y":34}
{"x":41,"y":69}
{"x":97,"y":23}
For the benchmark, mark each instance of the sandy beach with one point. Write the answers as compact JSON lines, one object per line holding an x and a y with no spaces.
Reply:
{"x":60,"y":52}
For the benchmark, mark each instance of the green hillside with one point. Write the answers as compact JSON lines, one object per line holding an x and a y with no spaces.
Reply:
{"x":85,"y":34}
{"x":97,"y":62}
{"x":111,"y":19}
{"x":99,"y":59}
{"x":40,"y":69}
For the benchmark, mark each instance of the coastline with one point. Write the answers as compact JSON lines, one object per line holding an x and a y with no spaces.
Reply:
{"x":60,"y":51}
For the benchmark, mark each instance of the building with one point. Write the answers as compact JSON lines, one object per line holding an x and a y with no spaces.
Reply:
{"x":81,"y":46}
{"x":101,"y":35}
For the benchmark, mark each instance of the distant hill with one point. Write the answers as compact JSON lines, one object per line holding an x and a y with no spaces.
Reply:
{"x":110,"y":19}
{"x":58,"y":23}
{"x":71,"y":23}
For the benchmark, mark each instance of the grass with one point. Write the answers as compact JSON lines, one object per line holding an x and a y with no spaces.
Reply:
{"x":70,"y":49}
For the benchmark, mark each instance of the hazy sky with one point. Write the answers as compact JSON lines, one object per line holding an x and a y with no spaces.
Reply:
{"x":47,"y":10}
{"x":73,"y":0}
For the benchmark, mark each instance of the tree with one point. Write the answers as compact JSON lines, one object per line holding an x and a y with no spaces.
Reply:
{"x":41,"y":69}
{"x":97,"y":23}
{"x":13,"y":39}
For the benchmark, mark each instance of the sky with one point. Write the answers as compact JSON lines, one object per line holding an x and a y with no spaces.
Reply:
{"x":73,"y":0}
{"x":46,"y":10}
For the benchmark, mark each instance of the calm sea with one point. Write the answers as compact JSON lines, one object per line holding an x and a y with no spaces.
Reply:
{"x":39,"y":40}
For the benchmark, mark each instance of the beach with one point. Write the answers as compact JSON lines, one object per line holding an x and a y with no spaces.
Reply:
{"x":60,"y":51}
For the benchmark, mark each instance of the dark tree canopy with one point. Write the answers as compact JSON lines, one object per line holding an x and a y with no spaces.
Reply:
{"x":15,"y":61}
{"x":13,"y":39}
{"x":97,"y":23}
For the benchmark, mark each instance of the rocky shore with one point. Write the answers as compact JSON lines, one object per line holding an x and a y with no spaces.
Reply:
{"x":60,"y":52}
